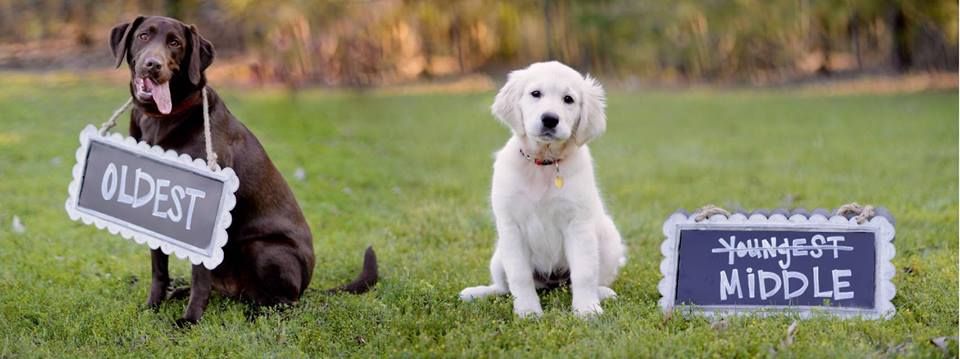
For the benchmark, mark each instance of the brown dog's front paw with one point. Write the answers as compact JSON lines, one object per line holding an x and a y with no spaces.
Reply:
{"x":156,"y":297}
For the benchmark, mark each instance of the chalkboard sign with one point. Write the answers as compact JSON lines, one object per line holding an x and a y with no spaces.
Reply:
{"x":155,"y":197}
{"x":796,"y":262}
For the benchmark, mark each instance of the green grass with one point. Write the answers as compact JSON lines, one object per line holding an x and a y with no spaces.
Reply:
{"x":411,"y":175}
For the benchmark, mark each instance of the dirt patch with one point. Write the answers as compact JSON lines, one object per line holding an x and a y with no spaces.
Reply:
{"x":884,"y":84}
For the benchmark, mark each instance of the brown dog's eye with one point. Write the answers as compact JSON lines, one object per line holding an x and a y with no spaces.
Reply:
{"x":174,"y":43}
{"x":567,"y":99}
{"x":535,"y":94}
{"x":143,"y":36}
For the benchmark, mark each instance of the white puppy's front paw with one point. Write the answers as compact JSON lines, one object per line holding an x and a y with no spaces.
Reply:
{"x":472,"y":293}
{"x":606,"y":293}
{"x":481,"y":291}
{"x":587,"y":309}
{"x":527,"y":307}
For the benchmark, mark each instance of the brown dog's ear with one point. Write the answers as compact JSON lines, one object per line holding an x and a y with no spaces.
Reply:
{"x":201,"y":55}
{"x":120,"y":38}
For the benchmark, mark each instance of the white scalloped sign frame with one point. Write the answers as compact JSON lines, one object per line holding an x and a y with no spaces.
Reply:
{"x":210,"y":256}
{"x":881,"y":226}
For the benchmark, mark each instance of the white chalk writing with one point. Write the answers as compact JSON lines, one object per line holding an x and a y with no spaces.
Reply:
{"x":787,"y":248}
{"x":791,"y":284}
{"x":113,"y":185}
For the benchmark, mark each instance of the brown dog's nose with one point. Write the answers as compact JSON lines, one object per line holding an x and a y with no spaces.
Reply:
{"x":152,"y":64}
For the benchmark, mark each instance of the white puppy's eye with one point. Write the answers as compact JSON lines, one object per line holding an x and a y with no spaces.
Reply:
{"x":567,"y":99}
{"x":535,"y":93}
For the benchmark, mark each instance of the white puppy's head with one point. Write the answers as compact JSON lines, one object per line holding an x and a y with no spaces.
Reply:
{"x":549,"y":102}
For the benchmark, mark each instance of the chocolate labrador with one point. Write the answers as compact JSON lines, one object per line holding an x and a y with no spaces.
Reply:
{"x":268,"y":258}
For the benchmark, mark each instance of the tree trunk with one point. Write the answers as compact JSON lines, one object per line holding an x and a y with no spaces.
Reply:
{"x":826,"y":47}
{"x":900,"y":55}
{"x":455,"y":37}
{"x":853,"y":30}
{"x":548,"y":31}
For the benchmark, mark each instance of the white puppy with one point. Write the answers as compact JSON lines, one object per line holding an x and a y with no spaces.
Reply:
{"x":551,"y":224}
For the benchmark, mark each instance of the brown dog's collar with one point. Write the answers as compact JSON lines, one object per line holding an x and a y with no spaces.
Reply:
{"x":540,"y":162}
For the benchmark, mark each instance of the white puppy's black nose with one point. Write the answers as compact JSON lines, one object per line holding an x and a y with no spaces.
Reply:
{"x":549,"y":120}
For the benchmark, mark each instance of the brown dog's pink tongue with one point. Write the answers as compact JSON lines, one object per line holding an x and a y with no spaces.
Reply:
{"x":161,"y":96}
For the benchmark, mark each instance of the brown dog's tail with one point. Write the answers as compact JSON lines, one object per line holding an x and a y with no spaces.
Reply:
{"x":367,"y":279}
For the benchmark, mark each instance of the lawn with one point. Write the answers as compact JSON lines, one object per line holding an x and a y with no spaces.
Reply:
{"x":410,"y":174}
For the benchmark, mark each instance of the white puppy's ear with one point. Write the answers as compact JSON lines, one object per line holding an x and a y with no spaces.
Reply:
{"x":593,"y":119}
{"x":506,"y":106}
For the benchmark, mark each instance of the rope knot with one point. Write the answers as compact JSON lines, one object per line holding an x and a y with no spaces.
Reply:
{"x":862,"y":213}
{"x":708,"y":211}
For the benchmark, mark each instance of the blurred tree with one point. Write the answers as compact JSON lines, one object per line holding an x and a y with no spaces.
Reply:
{"x":369,"y":42}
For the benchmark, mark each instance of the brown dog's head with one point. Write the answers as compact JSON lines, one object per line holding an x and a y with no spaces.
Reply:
{"x":166,"y":58}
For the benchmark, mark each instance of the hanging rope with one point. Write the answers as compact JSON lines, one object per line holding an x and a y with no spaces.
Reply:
{"x":207,"y":136}
{"x":708,"y":211}
{"x":862,"y":213}
{"x":106,"y":126}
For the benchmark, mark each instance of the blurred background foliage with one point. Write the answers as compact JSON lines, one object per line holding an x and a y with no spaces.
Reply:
{"x":369,"y":43}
